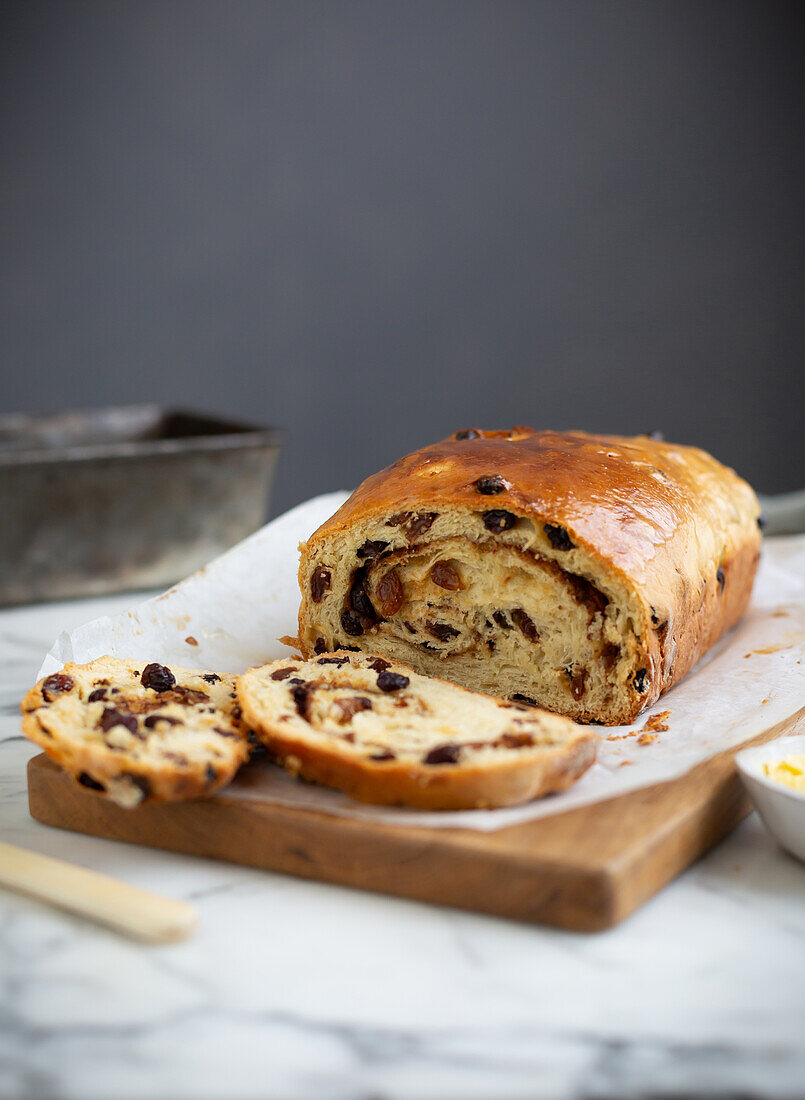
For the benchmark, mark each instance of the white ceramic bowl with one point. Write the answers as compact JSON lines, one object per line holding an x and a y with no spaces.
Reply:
{"x":782,"y":808}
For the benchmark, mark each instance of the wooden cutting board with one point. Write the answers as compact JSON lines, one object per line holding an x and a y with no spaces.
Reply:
{"x":585,"y":869}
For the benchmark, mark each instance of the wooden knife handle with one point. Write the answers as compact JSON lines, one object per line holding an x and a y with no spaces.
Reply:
{"x":127,"y":909}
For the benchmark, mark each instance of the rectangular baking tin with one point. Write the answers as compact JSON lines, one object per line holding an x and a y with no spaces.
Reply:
{"x":107,"y":500}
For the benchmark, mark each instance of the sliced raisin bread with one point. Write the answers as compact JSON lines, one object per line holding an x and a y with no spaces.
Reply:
{"x":587,"y":573}
{"x":383,"y":734}
{"x":135,"y":731}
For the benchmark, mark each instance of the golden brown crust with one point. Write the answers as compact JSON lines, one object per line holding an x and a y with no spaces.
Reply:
{"x":669,"y":524}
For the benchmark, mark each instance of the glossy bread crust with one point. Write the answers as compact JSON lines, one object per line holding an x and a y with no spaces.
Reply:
{"x":666,"y":525}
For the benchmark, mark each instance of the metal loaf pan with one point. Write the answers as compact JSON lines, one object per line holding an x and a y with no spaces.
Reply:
{"x":113,"y":499}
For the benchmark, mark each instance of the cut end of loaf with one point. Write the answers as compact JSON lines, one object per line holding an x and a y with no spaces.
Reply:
{"x":504,"y":606}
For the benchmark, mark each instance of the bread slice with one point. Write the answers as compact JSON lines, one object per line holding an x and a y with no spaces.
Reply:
{"x":135,"y":731}
{"x":382,"y":733}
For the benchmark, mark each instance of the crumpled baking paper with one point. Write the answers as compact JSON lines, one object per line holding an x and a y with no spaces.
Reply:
{"x":229,"y":615}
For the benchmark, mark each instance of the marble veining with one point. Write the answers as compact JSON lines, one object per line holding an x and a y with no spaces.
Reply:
{"x":296,"y":989}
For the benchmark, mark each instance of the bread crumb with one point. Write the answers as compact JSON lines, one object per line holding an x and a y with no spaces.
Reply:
{"x":647,"y":738}
{"x":657,"y":723}
{"x":191,"y":640}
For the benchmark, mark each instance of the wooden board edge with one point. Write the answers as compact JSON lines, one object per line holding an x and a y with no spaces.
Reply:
{"x":455,"y":867}
{"x":643,"y":870}
{"x":413,"y":865}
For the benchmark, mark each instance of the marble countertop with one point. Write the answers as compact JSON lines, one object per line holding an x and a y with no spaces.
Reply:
{"x":293,"y":989}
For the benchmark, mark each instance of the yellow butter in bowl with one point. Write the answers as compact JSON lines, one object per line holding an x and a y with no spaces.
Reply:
{"x":790,"y":771}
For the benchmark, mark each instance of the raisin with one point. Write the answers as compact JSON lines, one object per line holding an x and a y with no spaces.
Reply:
{"x":358,"y":600}
{"x":301,"y":697}
{"x":390,"y":593}
{"x":86,"y":780}
{"x":383,"y":754}
{"x":112,"y":717}
{"x":610,"y":654}
{"x":332,"y":661}
{"x":586,"y":593}
{"x":639,"y":680}
{"x":398,"y":519}
{"x":467,"y":433}
{"x":296,"y":680}
{"x":443,"y":631}
{"x":320,"y":646}
{"x":490,"y":645}
{"x":152,"y":720}
{"x":498,"y":520}
{"x":519,"y":698}
{"x":515,"y":740}
{"x":722,"y":580}
{"x":351,"y":624}
{"x":210,"y":774}
{"x":319,"y":582}
{"x":525,"y":624}
{"x":379,"y":664}
{"x":350,"y":648}
{"x":445,"y":576}
{"x":392,"y":681}
{"x":211,"y":678}
{"x":157,"y":678}
{"x":409,"y":627}
{"x":578,"y":682}
{"x":448,"y":753}
{"x":284,"y":673}
{"x":420,"y":523}
{"x":490,"y":486}
{"x":558,"y":537}
{"x":94,"y":696}
{"x":226,"y":733}
{"x":501,"y":620}
{"x":371,"y":549}
{"x":350,"y":707}
{"x":184,"y":696}
{"x":57,"y":684}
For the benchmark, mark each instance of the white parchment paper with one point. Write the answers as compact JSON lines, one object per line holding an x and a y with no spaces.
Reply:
{"x":229,"y":615}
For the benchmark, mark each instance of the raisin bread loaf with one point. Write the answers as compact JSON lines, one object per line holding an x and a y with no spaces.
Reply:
{"x":583,"y":573}
{"x":135,"y":731}
{"x":383,"y":734}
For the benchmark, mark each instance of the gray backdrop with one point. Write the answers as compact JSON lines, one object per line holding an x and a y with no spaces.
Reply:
{"x":375,"y":223}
